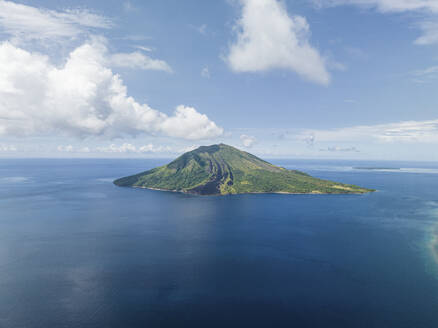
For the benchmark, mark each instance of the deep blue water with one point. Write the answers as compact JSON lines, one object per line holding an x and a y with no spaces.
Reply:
{"x":76,"y":251}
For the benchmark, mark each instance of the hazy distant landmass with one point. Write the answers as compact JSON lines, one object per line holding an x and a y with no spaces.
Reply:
{"x":222,"y":169}
{"x":376,"y":168}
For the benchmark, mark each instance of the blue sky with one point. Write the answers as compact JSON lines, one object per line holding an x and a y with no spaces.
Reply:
{"x":296,"y":78}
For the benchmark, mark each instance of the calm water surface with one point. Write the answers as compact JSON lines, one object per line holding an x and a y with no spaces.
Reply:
{"x":76,"y":251}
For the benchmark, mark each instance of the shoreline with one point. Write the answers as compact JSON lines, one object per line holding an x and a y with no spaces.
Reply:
{"x":255,"y":193}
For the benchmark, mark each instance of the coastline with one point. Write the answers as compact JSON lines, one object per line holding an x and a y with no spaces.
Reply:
{"x":255,"y":193}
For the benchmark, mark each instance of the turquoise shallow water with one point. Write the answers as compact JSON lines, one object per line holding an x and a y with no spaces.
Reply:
{"x":76,"y":251}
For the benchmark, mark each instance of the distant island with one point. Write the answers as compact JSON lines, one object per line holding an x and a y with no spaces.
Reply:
{"x":222,"y":169}
{"x":376,"y":168}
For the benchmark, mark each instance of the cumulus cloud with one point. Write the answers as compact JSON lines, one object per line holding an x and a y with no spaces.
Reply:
{"x":247,"y":141}
{"x":129,"y":148}
{"x":138,"y":60}
{"x":401,"y":132}
{"x":30,"y":23}
{"x":82,"y":98}
{"x":269,"y":38}
{"x":187,"y":123}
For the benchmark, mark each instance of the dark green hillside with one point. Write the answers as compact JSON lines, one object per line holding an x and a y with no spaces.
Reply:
{"x":222,"y":169}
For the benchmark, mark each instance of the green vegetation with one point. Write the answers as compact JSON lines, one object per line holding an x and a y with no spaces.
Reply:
{"x":222,"y":169}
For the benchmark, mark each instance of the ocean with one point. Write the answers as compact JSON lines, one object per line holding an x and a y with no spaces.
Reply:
{"x":77,"y":251}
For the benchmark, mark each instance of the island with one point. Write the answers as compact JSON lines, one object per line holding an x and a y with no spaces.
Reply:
{"x":370,"y":168}
{"x":222,"y":170}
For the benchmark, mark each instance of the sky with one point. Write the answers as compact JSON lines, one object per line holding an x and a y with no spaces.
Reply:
{"x":329,"y":79}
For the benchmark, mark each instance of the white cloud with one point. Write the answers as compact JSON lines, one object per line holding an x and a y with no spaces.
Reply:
{"x":29,"y":23}
{"x":309,"y":140}
{"x":425,"y":75}
{"x":82,"y":98}
{"x":427,"y":9}
{"x":72,"y":149}
{"x":268,"y":38}
{"x":148,"y":49}
{"x":427,"y":71}
{"x":150,"y":148}
{"x":247,"y":141}
{"x":8,"y":148}
{"x":124,"y":148}
{"x":430,"y":32}
{"x":187,"y":149}
{"x":340,"y":149}
{"x":205,"y":72}
{"x":187,"y":123}
{"x":401,"y":132}
{"x":136,"y":37}
{"x":129,"y":148}
{"x":138,"y":60}
{"x":386,"y":5}
{"x":67,"y":149}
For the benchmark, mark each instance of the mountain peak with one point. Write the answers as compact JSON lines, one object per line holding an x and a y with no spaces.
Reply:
{"x":214,"y":148}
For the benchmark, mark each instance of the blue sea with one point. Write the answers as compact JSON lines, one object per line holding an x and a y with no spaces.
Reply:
{"x":77,"y":251}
